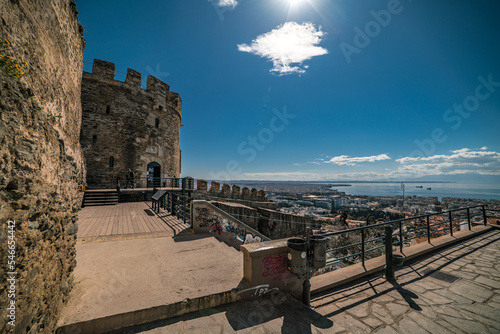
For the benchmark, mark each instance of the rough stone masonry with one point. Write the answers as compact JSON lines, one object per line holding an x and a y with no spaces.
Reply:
{"x":41,"y":164}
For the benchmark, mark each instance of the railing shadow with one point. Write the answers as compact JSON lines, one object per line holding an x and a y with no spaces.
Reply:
{"x":409,"y":296}
{"x":171,"y":221}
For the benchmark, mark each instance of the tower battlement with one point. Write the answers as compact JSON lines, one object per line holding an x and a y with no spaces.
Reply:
{"x":161,"y":91}
{"x":145,"y":125}
{"x":104,"y":69}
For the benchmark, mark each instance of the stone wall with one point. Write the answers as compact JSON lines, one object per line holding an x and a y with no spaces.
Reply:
{"x":271,"y":223}
{"x":125,"y":126}
{"x":41,"y":165}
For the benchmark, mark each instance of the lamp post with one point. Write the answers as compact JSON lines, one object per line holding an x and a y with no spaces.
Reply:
{"x":403,"y":187}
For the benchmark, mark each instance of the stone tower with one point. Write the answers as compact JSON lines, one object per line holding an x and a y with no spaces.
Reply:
{"x":125,"y":126}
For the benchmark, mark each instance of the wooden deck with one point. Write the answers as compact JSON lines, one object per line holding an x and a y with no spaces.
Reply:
{"x":126,"y":219}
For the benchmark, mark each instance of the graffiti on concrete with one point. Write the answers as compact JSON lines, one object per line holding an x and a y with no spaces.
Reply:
{"x":259,"y":290}
{"x":251,"y":239}
{"x":274,"y":266}
{"x":223,"y":228}
{"x":207,"y":218}
{"x":217,"y":229}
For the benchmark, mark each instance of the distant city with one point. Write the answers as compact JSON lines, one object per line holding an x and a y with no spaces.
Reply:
{"x":320,"y":200}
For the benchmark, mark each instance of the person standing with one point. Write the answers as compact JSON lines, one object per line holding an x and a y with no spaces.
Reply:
{"x":130,"y":179}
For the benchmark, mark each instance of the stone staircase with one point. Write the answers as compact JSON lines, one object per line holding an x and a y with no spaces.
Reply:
{"x":99,"y":197}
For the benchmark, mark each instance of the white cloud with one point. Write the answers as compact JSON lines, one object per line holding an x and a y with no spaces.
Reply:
{"x":462,"y":156}
{"x":288,"y":46}
{"x":484,"y":148}
{"x":461,"y":161}
{"x":351,"y":161}
{"x":227,"y":3}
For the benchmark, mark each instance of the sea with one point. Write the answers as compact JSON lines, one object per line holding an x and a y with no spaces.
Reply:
{"x":475,"y":190}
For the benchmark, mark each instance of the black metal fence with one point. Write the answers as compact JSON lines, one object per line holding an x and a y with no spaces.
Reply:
{"x":157,"y":183}
{"x":361,"y":243}
{"x":176,"y":199}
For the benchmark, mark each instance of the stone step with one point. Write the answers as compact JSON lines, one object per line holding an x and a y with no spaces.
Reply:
{"x":100,"y":204}
{"x":100,"y":197}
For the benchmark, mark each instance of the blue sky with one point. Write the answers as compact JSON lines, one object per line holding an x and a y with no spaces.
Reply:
{"x":317,"y":89}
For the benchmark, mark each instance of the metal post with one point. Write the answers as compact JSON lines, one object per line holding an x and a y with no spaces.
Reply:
{"x":389,"y":269}
{"x":428,"y":230}
{"x":401,"y":237}
{"x":190,"y":207}
{"x":168,"y":202}
{"x":363,"y":247}
{"x":184,"y":200}
{"x":451,"y":223}
{"x":468,"y":218}
{"x":191,"y":214}
{"x":306,"y":287}
{"x":174,"y":205}
{"x":484,"y":216}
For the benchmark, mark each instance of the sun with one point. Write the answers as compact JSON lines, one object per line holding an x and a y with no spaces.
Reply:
{"x":296,"y":3}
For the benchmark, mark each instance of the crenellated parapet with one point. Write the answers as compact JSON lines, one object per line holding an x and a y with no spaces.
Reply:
{"x":175,"y":102}
{"x":133,"y":78}
{"x":103,"y":69}
{"x":163,"y":98}
{"x":160,"y":91}
{"x":227,"y":191}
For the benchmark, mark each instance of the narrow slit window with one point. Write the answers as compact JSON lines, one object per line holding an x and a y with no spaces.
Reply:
{"x":108,"y":109}
{"x":157,"y":122}
{"x":94,"y":139}
{"x":111,"y":162}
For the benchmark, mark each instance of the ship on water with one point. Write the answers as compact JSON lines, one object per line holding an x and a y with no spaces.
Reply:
{"x":418,"y":187}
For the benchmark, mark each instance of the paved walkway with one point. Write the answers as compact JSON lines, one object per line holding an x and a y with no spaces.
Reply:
{"x":425,"y":299}
{"x":125,"y":219}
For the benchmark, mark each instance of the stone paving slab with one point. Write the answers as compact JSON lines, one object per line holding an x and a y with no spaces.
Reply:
{"x":415,"y":303}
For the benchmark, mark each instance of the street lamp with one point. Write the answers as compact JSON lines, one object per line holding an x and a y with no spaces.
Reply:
{"x":403,"y":187}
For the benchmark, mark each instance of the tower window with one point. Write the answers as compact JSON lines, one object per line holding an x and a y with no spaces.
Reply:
{"x":94,"y":139}
{"x":157,"y":122}
{"x":111,"y":162}
{"x":108,"y":109}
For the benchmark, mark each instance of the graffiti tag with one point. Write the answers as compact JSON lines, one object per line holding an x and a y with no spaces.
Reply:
{"x":274,"y":265}
{"x":251,"y":239}
{"x":260,"y":290}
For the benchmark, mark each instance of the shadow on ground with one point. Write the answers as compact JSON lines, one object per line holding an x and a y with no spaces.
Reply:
{"x":410,"y":297}
{"x":246,"y":314}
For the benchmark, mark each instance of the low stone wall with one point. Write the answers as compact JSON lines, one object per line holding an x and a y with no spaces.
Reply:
{"x":265,"y":266}
{"x":271,"y":223}
{"x":208,"y":218}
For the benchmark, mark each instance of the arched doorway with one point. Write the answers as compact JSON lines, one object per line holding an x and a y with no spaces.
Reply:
{"x":154,"y":174}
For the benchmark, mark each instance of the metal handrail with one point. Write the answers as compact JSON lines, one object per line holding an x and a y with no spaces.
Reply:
{"x":397,"y":221}
{"x":452,"y":224}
